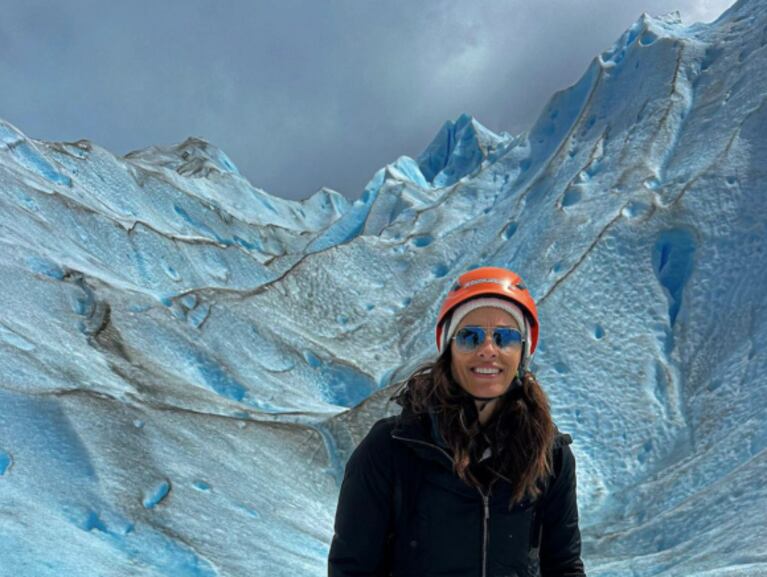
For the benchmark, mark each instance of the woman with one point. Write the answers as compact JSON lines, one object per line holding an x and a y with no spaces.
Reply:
{"x":472,"y":479}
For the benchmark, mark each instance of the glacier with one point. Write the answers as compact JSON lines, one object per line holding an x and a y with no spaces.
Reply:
{"x":187,"y":361}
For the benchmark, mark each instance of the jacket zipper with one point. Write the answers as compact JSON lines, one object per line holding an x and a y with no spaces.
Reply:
{"x":485,"y":532}
{"x":485,"y":502}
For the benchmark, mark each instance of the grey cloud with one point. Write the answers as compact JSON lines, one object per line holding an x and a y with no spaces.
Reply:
{"x":299,"y":94}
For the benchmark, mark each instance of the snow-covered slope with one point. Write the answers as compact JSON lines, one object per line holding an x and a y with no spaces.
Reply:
{"x":186,"y":361}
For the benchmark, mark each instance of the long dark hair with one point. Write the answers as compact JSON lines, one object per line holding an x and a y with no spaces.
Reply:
{"x":521,"y":431}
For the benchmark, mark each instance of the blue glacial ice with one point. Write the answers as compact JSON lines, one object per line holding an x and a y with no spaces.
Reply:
{"x":188,"y":361}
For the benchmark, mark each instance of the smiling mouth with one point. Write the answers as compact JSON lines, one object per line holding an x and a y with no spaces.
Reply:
{"x":486,"y":372}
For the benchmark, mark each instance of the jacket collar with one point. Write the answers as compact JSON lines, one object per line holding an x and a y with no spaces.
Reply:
{"x":421,"y":433}
{"x":418,"y":431}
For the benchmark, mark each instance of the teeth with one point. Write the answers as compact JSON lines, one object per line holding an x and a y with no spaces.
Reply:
{"x":487,"y":371}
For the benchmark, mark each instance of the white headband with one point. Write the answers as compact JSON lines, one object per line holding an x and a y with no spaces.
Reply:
{"x":464,"y":309}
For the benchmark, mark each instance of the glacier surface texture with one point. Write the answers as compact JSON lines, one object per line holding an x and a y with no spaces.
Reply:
{"x":186,"y":361}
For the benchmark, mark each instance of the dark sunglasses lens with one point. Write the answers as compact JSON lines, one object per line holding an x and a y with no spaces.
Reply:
{"x":470,"y":338}
{"x":503,"y":337}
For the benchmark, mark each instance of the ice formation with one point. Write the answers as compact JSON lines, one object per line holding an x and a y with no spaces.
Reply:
{"x":187,"y":361}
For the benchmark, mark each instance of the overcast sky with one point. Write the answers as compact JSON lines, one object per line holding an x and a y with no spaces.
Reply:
{"x":300,"y":94}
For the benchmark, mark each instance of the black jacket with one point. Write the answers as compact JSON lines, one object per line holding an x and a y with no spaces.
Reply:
{"x":448,"y":528}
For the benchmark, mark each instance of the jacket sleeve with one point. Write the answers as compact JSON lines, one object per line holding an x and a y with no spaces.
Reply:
{"x":560,"y":552}
{"x":363,"y":514}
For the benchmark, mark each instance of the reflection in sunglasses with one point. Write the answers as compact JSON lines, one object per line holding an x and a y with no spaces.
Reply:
{"x":469,"y":338}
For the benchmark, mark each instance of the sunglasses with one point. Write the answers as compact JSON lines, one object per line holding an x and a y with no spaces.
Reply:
{"x":470,"y":338}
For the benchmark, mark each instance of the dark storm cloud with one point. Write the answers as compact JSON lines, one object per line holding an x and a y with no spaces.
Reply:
{"x":299,"y":94}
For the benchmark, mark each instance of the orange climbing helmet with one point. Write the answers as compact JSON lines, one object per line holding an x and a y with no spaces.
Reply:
{"x":490,"y":281}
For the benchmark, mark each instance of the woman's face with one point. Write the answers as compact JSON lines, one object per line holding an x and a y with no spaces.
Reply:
{"x":504,"y":362}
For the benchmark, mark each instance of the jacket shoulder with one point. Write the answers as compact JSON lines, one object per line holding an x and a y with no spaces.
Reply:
{"x":562,"y":439}
{"x":383,"y":427}
{"x":375,"y":447}
{"x":563,"y":461}
{"x":378,"y":438}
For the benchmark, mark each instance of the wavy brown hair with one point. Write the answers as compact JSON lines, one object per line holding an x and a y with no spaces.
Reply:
{"x":521,"y":431}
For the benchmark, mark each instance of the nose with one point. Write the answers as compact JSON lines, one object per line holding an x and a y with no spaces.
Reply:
{"x":488,"y":349}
